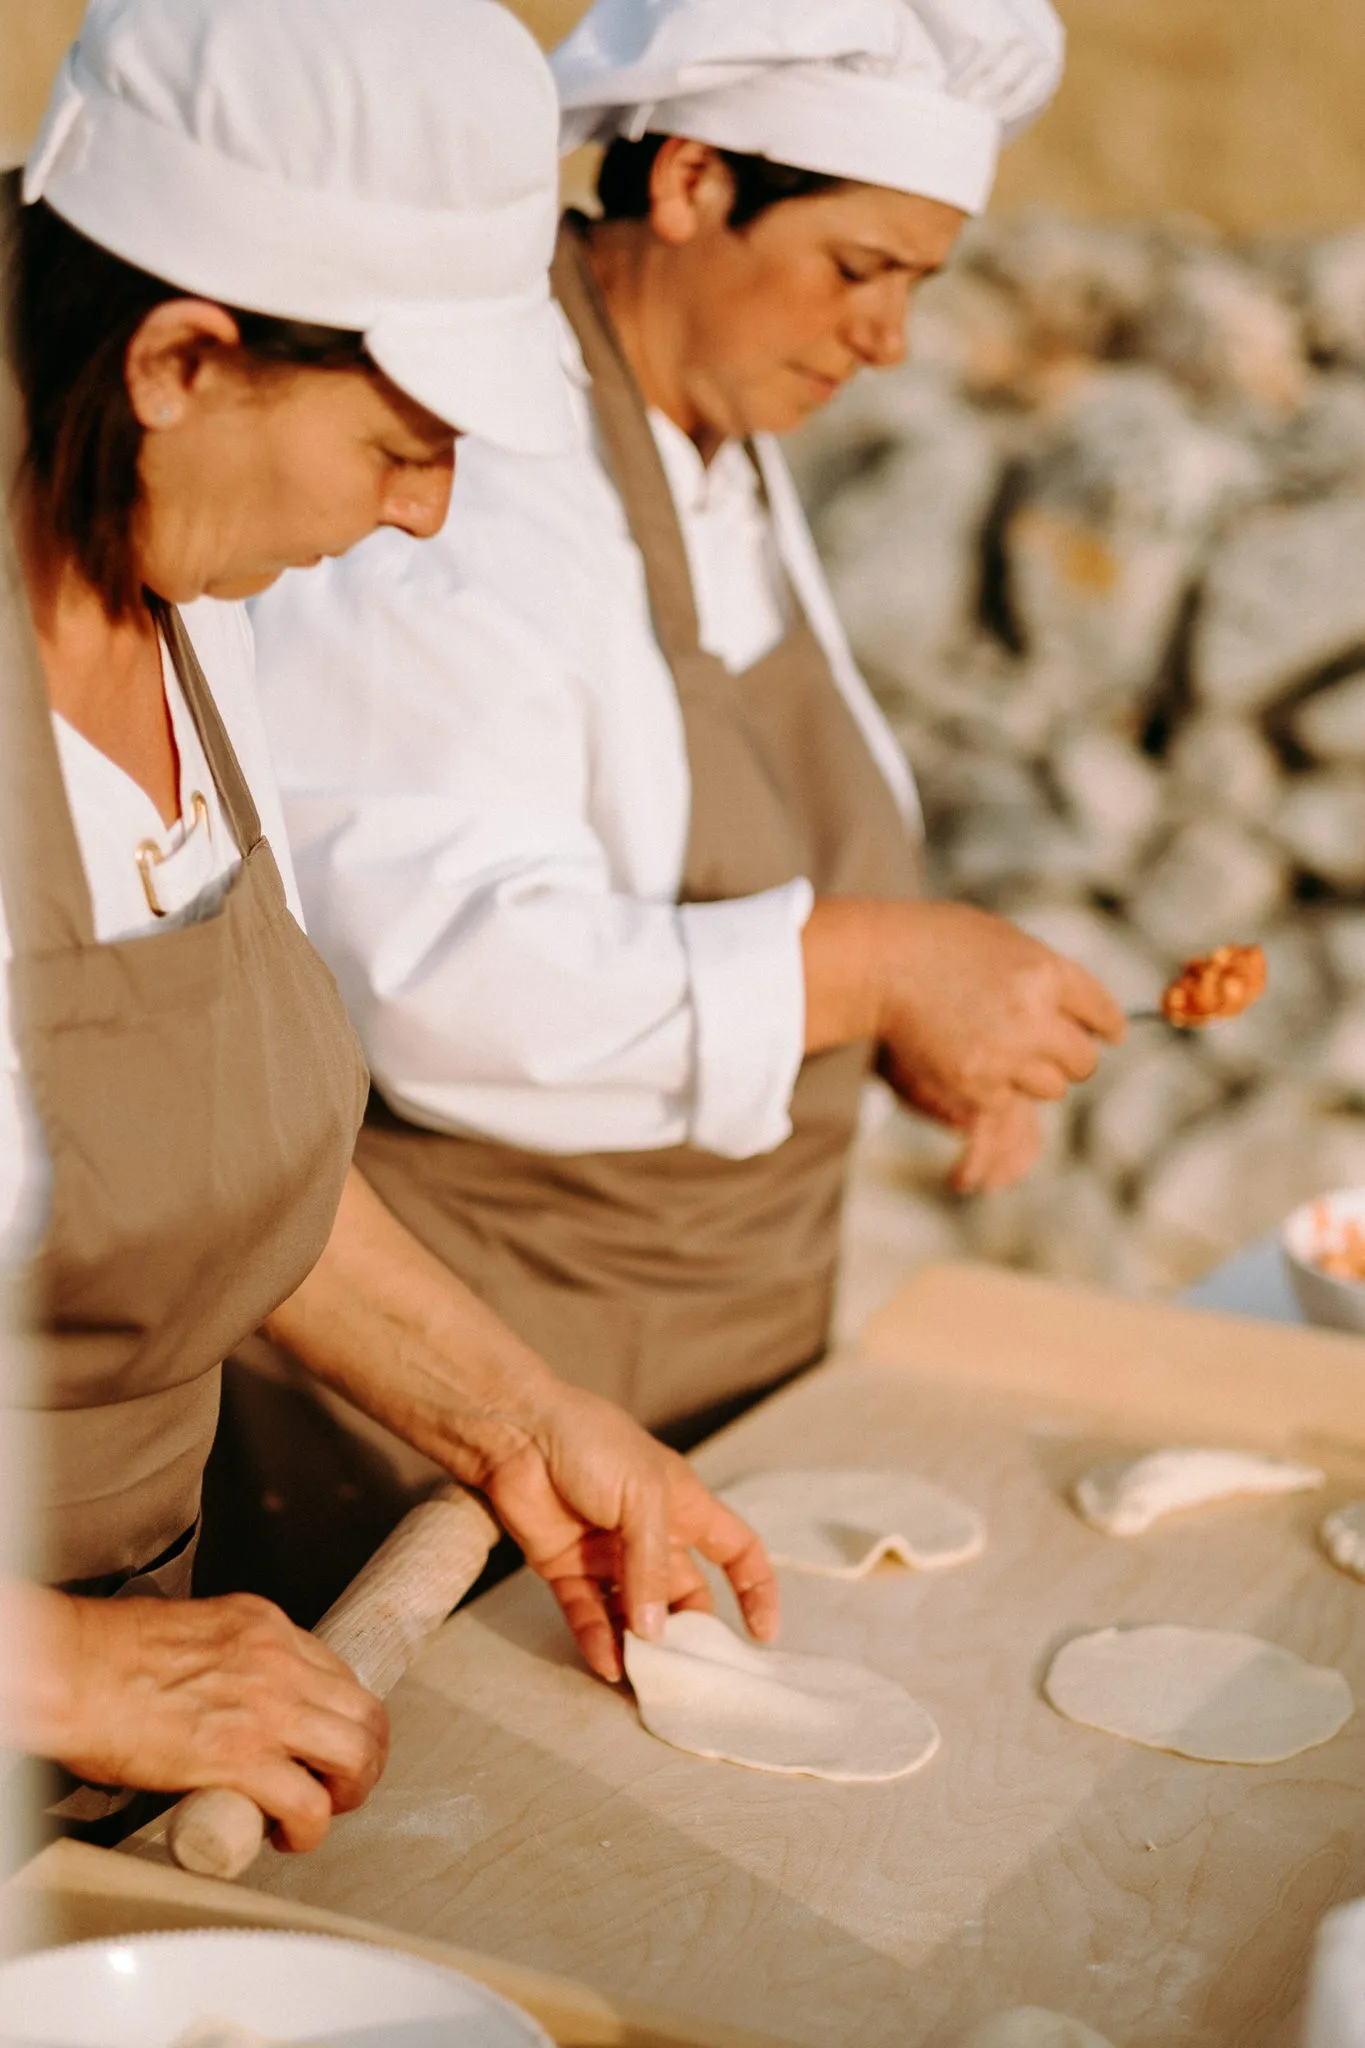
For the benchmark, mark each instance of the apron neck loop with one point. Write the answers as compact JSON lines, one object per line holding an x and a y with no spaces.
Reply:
{"x":232,"y":784}
{"x":628,"y":441}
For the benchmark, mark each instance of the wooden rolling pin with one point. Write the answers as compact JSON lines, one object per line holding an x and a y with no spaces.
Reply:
{"x":377,"y":1627}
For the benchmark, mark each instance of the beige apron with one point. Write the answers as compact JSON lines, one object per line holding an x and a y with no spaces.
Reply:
{"x":674,"y":1280}
{"x":198,"y":1090}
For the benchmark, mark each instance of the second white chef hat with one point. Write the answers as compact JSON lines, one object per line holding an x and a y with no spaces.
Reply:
{"x":914,"y":94}
{"x":387,"y":166}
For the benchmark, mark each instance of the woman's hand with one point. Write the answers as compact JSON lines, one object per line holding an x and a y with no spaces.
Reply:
{"x":602,"y":1511}
{"x":610,"y":1519}
{"x":1002,"y":1144}
{"x":965,"y":1008}
{"x":168,"y":1695}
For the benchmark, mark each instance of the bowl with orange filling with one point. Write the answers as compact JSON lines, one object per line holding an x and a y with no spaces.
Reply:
{"x":1324,"y":1253}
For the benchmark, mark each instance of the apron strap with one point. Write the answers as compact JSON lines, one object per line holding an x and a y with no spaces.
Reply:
{"x":233,"y":788}
{"x":42,"y":877}
{"x":632,"y":452}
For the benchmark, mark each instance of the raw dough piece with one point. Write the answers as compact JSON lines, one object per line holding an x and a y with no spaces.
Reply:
{"x":1207,"y":1693}
{"x":1127,"y":1495}
{"x":704,"y":1690}
{"x":1343,"y":1538}
{"x":841,"y":1523}
{"x":1031,"y":2026}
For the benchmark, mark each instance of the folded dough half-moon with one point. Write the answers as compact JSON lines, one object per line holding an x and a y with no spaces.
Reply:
{"x":1211,"y":1694}
{"x":704,"y":1690}
{"x":840,"y":1523}
{"x":1126,"y":1495}
{"x":1343,"y":1538}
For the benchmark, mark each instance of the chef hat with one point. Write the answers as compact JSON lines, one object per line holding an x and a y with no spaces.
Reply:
{"x":914,"y":94}
{"x":382,"y":165}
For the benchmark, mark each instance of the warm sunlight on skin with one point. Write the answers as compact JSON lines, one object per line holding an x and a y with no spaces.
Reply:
{"x":733,"y":331}
{"x":302,"y":462}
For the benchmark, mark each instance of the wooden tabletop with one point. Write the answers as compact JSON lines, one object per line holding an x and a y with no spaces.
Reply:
{"x":526,"y":1813}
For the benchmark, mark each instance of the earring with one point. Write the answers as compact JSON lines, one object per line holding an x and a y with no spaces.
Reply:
{"x":165,"y":415}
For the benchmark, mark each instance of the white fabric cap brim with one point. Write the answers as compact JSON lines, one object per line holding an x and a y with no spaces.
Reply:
{"x":500,"y":376}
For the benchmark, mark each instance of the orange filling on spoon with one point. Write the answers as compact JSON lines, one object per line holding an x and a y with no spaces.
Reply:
{"x":1219,"y":985}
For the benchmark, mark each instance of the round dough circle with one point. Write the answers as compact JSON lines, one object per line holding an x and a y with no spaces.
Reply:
{"x":1032,"y":2026}
{"x":704,"y":1690}
{"x":840,"y":1523}
{"x":1126,"y":1495}
{"x":1210,"y":1694}
{"x":1343,"y":1538}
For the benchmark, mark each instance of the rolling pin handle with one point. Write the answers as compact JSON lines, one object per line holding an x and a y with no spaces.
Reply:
{"x":216,"y":1833}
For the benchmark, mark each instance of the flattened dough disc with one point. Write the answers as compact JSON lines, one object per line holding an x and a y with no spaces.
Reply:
{"x":1032,"y":2026}
{"x":704,"y":1690}
{"x":1343,"y":1538}
{"x":1211,"y":1694}
{"x":841,"y":1523}
{"x":1125,"y":1496}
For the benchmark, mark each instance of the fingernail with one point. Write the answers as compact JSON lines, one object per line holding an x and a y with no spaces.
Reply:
{"x":653,"y":1615}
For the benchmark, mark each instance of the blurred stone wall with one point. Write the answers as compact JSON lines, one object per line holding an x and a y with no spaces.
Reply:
{"x":1100,"y":547}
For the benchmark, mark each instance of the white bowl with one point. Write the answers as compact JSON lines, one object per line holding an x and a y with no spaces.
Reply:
{"x":1324,"y":1299}
{"x":148,"y":1990}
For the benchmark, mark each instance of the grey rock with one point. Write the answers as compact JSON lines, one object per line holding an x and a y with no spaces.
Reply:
{"x":1222,"y":764}
{"x":1233,"y":1176}
{"x":1148,"y":1090}
{"x":1334,"y":295}
{"x":1340,"y":1062}
{"x":1321,"y":451}
{"x":1284,"y":596}
{"x":1321,"y":824}
{"x":1079,"y":284}
{"x":1343,"y":938}
{"x":1212,"y":884}
{"x":1113,"y":795}
{"x":1114,"y":514}
{"x":1225,"y":332}
{"x":999,"y":847}
{"x":901,"y":544}
{"x":1330,"y":724}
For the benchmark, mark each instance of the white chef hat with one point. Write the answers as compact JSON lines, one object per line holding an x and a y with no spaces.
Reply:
{"x":382,"y":165}
{"x":914,"y":94}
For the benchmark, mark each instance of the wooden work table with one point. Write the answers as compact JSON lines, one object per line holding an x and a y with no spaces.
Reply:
{"x":527,"y":1815}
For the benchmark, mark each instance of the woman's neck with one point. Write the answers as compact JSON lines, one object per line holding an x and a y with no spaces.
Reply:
{"x":103,"y":675}
{"x":630,"y":268}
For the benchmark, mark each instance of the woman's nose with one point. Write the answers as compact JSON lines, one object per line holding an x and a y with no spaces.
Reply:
{"x":420,"y":498}
{"x":879,"y":336}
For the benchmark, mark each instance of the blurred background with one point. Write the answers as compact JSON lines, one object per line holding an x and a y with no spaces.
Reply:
{"x":1100,"y":547}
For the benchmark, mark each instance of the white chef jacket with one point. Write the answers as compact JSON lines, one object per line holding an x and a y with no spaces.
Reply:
{"x":113,"y":816}
{"x":486,"y":788}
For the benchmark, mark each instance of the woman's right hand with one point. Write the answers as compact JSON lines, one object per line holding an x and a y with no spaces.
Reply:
{"x":168,"y":1695}
{"x":966,"y":1009}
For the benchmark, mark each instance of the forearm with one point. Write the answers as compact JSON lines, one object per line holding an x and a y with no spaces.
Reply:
{"x":383,"y":1321}
{"x":842,"y":949}
{"x":39,"y":1670}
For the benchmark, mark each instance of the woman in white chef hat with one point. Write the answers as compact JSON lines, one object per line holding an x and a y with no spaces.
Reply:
{"x":269,"y":259}
{"x":614,"y":858}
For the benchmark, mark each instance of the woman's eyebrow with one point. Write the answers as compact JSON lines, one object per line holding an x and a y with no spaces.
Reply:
{"x":891,"y":259}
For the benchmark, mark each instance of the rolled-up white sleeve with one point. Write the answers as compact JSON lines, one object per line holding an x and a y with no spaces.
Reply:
{"x":749,"y":1000}
{"x":437,"y":764}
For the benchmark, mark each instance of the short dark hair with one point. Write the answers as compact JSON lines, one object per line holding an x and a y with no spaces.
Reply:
{"x":623,"y":181}
{"x":74,"y":309}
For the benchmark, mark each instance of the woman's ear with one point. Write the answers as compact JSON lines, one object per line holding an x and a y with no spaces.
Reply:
{"x":167,"y":354}
{"x":690,"y":189}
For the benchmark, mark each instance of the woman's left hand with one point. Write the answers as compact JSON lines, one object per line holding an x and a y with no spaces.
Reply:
{"x":609,"y":1519}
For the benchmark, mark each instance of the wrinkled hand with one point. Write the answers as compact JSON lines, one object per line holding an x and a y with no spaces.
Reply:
{"x":973,"y":1010}
{"x":609,"y":1518}
{"x":168,"y":1695}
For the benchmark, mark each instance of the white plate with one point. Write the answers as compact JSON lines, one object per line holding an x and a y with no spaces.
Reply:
{"x":146,"y":1991}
